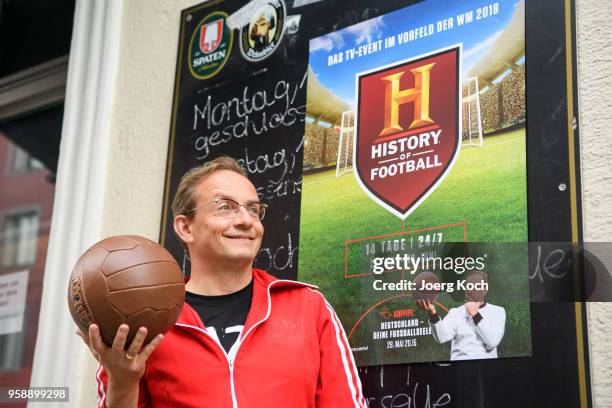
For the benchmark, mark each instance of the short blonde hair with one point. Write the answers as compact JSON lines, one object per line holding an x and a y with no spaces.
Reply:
{"x":185,"y":198}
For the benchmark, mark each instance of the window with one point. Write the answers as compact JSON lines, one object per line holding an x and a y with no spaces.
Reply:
{"x":11,"y":350}
{"x":23,"y":162}
{"x":20,"y":234}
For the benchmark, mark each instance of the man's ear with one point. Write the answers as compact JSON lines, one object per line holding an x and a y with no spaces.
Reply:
{"x":182,"y":228}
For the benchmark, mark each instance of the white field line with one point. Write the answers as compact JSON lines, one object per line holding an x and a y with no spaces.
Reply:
{"x":498,"y":143}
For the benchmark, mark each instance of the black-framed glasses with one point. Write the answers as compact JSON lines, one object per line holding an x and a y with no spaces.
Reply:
{"x":226,"y":207}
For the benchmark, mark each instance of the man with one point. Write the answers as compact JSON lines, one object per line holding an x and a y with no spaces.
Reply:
{"x":474,"y":329}
{"x":260,"y":32}
{"x":244,"y":338}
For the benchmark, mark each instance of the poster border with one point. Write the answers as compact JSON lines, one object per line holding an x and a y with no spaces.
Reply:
{"x":584,"y":375}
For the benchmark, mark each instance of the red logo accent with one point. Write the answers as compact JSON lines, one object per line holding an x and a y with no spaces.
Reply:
{"x":211,"y":35}
{"x":385,"y":313}
{"x":403,"y":313}
{"x":408,"y":130}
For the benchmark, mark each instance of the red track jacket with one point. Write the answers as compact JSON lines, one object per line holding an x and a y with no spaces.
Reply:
{"x":293,"y":352}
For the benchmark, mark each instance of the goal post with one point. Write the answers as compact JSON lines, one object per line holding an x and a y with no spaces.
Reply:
{"x":471,"y":129}
{"x":471,"y":126}
{"x":344,"y":164}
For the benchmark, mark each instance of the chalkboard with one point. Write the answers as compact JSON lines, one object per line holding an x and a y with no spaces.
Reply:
{"x":254,"y":112}
{"x":253,"y":108}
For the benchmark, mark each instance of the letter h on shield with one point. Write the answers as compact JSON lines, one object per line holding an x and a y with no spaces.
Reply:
{"x":394,"y":97}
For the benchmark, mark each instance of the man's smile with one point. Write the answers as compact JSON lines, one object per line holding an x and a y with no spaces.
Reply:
{"x":239,"y":237}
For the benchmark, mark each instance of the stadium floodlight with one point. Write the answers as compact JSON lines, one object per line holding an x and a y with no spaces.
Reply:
{"x":471,"y":132}
{"x":344,"y":164}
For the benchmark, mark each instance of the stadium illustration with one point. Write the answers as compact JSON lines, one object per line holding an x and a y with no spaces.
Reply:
{"x":493,"y":103}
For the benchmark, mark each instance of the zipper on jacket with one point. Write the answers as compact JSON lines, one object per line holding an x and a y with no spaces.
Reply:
{"x":230,"y":361}
{"x":269,"y":299}
{"x":232,"y":386}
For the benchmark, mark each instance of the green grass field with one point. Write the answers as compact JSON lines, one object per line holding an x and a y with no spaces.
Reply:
{"x":486,"y":190}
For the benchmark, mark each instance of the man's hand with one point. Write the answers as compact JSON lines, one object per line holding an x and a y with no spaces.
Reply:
{"x":124,"y":368}
{"x":427,"y":306}
{"x":472,"y":307}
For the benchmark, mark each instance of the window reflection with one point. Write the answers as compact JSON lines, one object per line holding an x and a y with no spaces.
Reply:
{"x":20,"y":235}
{"x":22,"y":161}
{"x":28,"y":153}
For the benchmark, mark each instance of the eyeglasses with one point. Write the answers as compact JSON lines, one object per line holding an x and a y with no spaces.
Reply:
{"x":226,"y":207}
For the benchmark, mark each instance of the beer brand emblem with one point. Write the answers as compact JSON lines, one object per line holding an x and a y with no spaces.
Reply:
{"x":408,"y":128}
{"x":262,"y":35}
{"x":210,"y":36}
{"x":210,"y":46}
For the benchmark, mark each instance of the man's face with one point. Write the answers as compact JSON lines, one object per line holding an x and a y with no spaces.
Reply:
{"x":225,"y":239}
{"x":263,"y":26}
{"x":476,"y":295}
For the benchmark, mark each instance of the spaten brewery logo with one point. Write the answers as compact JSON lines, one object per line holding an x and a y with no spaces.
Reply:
{"x":210,"y":46}
{"x":260,"y":38}
{"x":407,"y":128}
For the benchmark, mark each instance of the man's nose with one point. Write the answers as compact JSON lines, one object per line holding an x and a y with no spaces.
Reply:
{"x":243,"y":217}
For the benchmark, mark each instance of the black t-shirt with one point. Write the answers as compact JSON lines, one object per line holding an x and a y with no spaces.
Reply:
{"x":224,"y":315}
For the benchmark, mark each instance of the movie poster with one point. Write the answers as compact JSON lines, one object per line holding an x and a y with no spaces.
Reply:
{"x":414,"y":145}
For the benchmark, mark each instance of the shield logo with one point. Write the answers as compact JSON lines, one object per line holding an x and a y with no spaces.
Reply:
{"x":408,"y":128}
{"x":211,"y":35}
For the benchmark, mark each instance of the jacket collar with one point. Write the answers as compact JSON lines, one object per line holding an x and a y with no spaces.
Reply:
{"x":263,"y":285}
{"x":267,"y":280}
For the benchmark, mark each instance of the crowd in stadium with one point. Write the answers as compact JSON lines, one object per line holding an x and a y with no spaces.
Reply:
{"x":503,"y":104}
{"x":320,"y":147}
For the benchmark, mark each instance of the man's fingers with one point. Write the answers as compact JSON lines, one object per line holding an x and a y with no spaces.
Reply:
{"x":426,"y":305}
{"x":120,"y":337}
{"x":87,"y":342}
{"x":149,"y":348}
{"x":137,"y":342}
{"x":94,"y":338}
{"x":84,"y":337}
{"x":95,"y":343}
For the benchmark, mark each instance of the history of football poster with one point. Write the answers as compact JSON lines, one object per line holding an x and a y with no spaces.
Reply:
{"x":415,"y":177}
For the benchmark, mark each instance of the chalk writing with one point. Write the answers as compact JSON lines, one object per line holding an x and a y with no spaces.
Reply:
{"x":216,"y":123}
{"x":549,"y":265}
{"x":279,"y":258}
{"x":411,"y":396}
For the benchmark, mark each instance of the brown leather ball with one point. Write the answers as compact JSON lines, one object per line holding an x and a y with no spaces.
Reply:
{"x":126,"y":279}
{"x":426,"y":294}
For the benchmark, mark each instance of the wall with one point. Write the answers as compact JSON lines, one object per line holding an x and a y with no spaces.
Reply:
{"x":141,"y":116}
{"x":139,"y":127}
{"x":141,"y":121}
{"x":594,"y":24}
